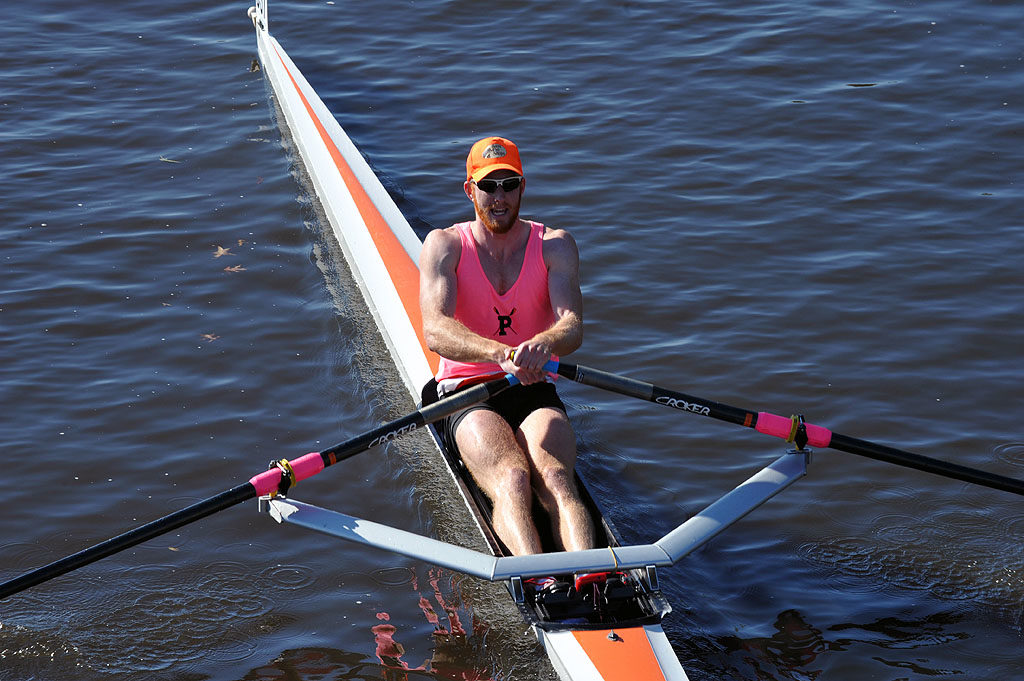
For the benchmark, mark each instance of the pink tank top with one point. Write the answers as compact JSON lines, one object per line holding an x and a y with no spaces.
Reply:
{"x":518,"y":315}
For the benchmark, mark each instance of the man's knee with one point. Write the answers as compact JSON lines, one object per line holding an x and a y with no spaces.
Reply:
{"x":514,"y":481}
{"x":557,"y":483}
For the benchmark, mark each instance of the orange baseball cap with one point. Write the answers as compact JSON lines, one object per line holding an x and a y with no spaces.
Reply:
{"x":490,"y":154}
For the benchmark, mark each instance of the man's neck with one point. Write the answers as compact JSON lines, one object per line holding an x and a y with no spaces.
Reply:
{"x":504,"y":243}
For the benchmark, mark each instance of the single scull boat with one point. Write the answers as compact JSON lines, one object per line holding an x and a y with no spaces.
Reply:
{"x":599,"y":628}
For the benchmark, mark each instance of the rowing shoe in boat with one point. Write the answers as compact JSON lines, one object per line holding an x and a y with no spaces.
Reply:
{"x":597,"y":613}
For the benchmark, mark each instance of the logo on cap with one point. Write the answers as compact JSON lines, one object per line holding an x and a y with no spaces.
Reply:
{"x":495,"y":151}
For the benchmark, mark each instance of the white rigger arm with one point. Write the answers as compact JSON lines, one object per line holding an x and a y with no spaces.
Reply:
{"x":684,"y":539}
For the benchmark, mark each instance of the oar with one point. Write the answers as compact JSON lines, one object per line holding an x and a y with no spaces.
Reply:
{"x":279,"y":478}
{"x":791,"y":429}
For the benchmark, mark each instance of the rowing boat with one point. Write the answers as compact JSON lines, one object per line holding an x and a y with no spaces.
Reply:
{"x":602,"y":626}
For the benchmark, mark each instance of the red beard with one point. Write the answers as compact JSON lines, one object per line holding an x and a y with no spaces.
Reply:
{"x":498,"y":224}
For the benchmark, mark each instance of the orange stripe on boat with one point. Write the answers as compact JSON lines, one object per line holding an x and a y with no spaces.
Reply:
{"x":627,"y":656}
{"x":405,"y":274}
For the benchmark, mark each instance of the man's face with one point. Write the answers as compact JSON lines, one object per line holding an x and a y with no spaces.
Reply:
{"x":497,"y":210}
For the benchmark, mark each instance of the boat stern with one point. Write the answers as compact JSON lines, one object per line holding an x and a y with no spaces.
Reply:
{"x":632,"y":653}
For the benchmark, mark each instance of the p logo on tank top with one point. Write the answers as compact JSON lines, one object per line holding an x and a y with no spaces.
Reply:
{"x":504,"y":322}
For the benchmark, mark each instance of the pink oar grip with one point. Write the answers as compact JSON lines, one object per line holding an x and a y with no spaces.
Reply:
{"x":818,"y":436}
{"x":773,"y":424}
{"x":304,"y":467}
{"x":266,"y":482}
{"x":307,"y":466}
{"x":780,"y":426}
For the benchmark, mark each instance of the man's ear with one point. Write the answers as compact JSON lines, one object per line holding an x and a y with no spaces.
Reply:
{"x":468,"y":188}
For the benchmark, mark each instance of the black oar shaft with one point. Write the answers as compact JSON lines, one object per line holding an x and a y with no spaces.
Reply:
{"x":290,"y":472}
{"x":873,"y":450}
{"x":129,"y":539}
{"x":264,"y":483}
{"x":779,"y":426}
{"x":417,"y":419}
{"x":653,"y":393}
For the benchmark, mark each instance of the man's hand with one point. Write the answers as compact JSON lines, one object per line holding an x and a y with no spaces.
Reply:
{"x":527,"y":361}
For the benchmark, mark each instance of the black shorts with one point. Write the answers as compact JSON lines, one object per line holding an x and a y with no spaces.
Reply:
{"x":512,"y":404}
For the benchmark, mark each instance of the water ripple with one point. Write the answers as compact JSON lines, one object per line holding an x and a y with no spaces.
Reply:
{"x":288,"y":577}
{"x":942,"y":569}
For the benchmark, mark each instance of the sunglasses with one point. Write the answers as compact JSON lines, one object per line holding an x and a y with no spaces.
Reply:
{"x":509,"y":184}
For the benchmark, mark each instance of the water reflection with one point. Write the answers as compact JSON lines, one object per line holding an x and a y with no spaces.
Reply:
{"x":800,"y":651}
{"x":452,"y":648}
{"x":786,"y":654}
{"x":455,"y":655}
{"x":893,"y":632}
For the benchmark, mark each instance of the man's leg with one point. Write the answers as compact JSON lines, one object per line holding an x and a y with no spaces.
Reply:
{"x":498,"y":465}
{"x":547,"y":437}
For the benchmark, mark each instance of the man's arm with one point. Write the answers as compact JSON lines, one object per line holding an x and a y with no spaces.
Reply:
{"x":442,"y":332}
{"x":562,"y":258}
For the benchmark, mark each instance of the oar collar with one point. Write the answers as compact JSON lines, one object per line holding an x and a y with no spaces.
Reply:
{"x":287,"y":477}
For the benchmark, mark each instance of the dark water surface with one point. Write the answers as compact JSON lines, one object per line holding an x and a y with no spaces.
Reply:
{"x":808,"y":207}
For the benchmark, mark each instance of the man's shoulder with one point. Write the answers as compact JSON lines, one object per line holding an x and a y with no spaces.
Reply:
{"x":548,"y":232}
{"x":443,"y":236}
{"x":559,"y":241}
{"x":443,"y":246}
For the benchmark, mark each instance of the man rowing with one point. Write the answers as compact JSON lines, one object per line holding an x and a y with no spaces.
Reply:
{"x":500,"y":295}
